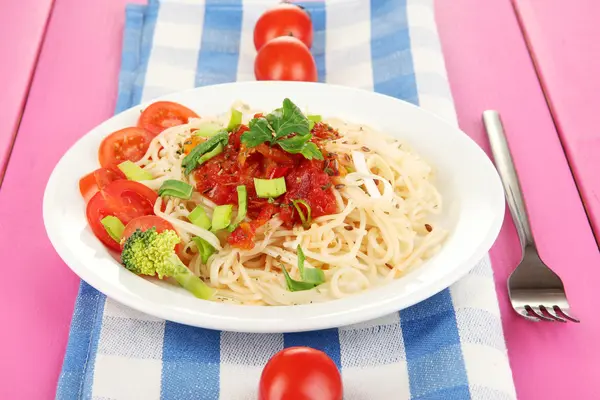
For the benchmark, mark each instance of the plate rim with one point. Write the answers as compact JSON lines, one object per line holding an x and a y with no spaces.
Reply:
{"x":371,"y":311}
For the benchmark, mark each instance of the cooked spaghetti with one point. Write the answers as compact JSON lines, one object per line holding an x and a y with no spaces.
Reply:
{"x":356,"y":209}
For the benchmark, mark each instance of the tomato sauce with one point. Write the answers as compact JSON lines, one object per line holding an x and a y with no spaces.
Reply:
{"x":307,"y":180}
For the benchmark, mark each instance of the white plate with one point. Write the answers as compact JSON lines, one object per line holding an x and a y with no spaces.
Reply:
{"x":471,"y":189}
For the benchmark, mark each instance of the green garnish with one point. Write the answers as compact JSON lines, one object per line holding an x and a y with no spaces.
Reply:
{"x":204,"y":248}
{"x":208,"y":130}
{"x":175,"y":188}
{"x":266,"y":188}
{"x":242,"y":207}
{"x":151,"y":253}
{"x":311,"y":277}
{"x":192,"y":160}
{"x":221,"y":217}
{"x":234,"y":120}
{"x":214,"y":152}
{"x":306,"y":219}
{"x":114,"y":227}
{"x":276,"y":128}
{"x":199,"y":218}
{"x":312,"y":120}
{"x":134,"y":172}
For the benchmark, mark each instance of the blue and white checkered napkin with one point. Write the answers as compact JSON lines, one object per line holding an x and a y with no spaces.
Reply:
{"x":448,"y":347}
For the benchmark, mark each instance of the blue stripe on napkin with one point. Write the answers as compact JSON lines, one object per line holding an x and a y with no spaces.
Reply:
{"x":432,"y":343}
{"x":327,"y":340}
{"x":219,"y":50}
{"x":393,"y":72}
{"x":191,"y":362}
{"x":150,"y":15}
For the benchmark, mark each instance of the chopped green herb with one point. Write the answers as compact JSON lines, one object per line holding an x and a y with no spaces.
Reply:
{"x":285,"y":126}
{"x":175,"y":188}
{"x":133,"y":172}
{"x":114,"y":227}
{"x":208,"y":129}
{"x":306,"y":219}
{"x":199,"y":218}
{"x":190,"y":162}
{"x":242,"y":207}
{"x":214,"y":152}
{"x":311,"y":277}
{"x":234,"y":120}
{"x":204,"y":248}
{"x":266,"y":188}
{"x":312,"y":120}
{"x":221,"y":217}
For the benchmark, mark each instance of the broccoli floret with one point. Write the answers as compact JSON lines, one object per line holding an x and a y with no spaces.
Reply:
{"x":151,"y":253}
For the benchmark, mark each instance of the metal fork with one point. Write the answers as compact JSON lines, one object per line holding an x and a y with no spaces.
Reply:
{"x":535,"y":291}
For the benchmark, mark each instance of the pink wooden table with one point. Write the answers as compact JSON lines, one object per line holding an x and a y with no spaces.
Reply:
{"x":489,"y":67}
{"x":22,"y":27}
{"x":563,"y":38}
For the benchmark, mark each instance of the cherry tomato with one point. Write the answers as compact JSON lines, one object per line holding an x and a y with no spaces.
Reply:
{"x":95,"y":211}
{"x":283,"y":20}
{"x":125,"y":144}
{"x":88,"y":187}
{"x":129,"y":199}
{"x":147,"y":222}
{"x":285,"y":59}
{"x":97,"y":180}
{"x":123,"y":199}
{"x":300,"y":373}
{"x":144,"y":223}
{"x":164,"y":114}
{"x":105,"y":176}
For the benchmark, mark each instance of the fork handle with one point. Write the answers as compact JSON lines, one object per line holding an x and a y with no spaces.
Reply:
{"x":508,"y":175}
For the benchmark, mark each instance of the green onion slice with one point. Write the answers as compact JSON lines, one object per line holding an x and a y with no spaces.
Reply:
{"x":199,"y":218}
{"x":311,"y":277}
{"x":204,"y":248}
{"x":214,"y":152}
{"x":305,"y":218}
{"x":114,"y":227}
{"x":234,"y":120}
{"x":221,"y":217}
{"x":312,"y":120}
{"x":266,"y":188}
{"x":242,"y":207}
{"x":134,"y":172}
{"x":208,"y":129}
{"x":175,"y":188}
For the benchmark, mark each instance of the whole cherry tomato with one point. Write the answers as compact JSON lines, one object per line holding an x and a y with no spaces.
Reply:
{"x":285,"y":59}
{"x":283,"y":20}
{"x":300,"y":373}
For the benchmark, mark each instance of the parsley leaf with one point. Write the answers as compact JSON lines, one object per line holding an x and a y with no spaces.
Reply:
{"x":294,"y":144}
{"x":190,"y":162}
{"x":259,"y":132}
{"x":288,"y":120}
{"x":285,"y":126}
{"x":310,"y":151}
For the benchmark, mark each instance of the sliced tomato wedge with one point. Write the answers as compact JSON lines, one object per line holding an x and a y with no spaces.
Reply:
{"x":125,"y":144}
{"x":147,"y":222}
{"x":164,"y":114}
{"x":144,"y":223}
{"x":105,"y":176}
{"x":123,"y":199}
{"x":88,"y":187}
{"x":97,"y":180}
{"x":129,"y":199}
{"x":96,"y":210}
